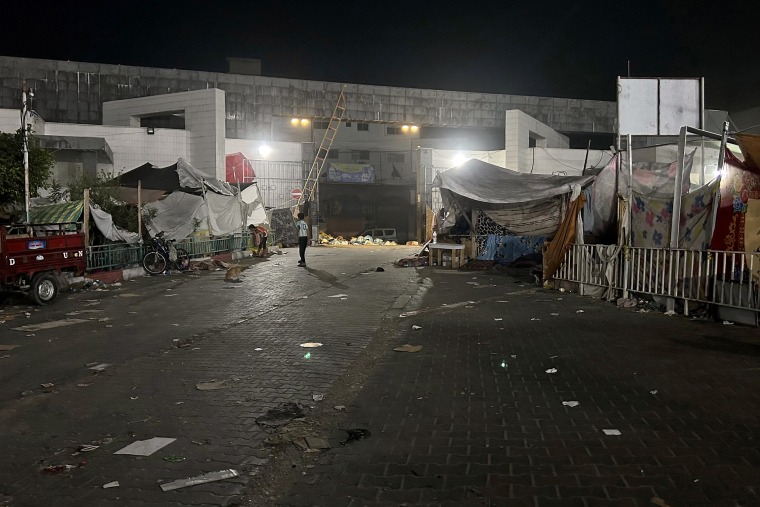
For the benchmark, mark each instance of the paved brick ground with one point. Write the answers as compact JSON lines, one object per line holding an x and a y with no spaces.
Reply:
{"x":475,"y":419}
{"x":472,"y":419}
{"x":163,"y":336}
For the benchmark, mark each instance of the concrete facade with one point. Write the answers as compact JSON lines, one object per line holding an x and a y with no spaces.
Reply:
{"x":204,"y":123}
{"x":73,"y":92}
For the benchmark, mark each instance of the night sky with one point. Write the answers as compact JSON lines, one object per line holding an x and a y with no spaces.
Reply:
{"x":572,"y":49}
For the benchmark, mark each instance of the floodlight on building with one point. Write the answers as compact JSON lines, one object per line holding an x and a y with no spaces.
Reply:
{"x":415,"y":128}
{"x":405,"y":128}
{"x":304,"y":122}
{"x":294,"y":121}
{"x":458,"y":159}
{"x":265,"y":150}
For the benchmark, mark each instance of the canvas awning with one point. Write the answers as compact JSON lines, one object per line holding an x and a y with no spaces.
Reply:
{"x":63,"y":213}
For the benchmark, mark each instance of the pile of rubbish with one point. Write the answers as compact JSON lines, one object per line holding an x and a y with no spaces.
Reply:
{"x":326,"y":239}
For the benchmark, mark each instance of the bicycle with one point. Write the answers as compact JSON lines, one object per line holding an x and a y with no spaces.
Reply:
{"x":164,"y":255}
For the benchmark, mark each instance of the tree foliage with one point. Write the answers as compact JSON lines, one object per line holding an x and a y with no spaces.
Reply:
{"x":41,"y":163}
{"x":104,"y":191}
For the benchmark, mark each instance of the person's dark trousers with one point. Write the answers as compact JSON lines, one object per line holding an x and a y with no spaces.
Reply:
{"x":302,"y":240}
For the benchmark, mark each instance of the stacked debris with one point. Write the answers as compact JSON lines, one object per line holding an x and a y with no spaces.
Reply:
{"x":327,"y":239}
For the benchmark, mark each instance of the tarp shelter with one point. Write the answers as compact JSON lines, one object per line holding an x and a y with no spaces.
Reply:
{"x":63,"y":213}
{"x":524,"y":204}
{"x":156,"y":182}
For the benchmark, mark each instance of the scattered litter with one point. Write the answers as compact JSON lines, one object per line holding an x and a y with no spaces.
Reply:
{"x":415,"y":327}
{"x":656,"y":500}
{"x":169,"y":295}
{"x":339,"y":407}
{"x":85,"y":448}
{"x":7,"y":347}
{"x":58,"y":469}
{"x":670,"y":313}
{"x":553,"y":357}
{"x":175,"y":325}
{"x":211,"y":385}
{"x":317,"y":397}
{"x":311,"y":444}
{"x":282,"y":414}
{"x":133,"y":397}
{"x":498,"y":319}
{"x":611,"y":432}
{"x":559,"y":299}
{"x":145,"y":447}
{"x":99,"y":367}
{"x":356,"y":434}
{"x":258,"y":349}
{"x":83,"y":385}
{"x":728,"y":323}
{"x":570,"y":403}
{"x":535,"y":318}
{"x":408,"y":348}
{"x":653,"y":391}
{"x":513,"y":356}
{"x":50,"y":325}
{"x":580,"y":311}
{"x":562,"y":289}
{"x":6,"y":356}
{"x":79,"y":312}
{"x":47,"y":385}
{"x":554,"y":314}
{"x":200,"y":479}
{"x":113,"y":484}
{"x":311,"y":345}
{"x":253,"y":460}
{"x":26,"y":393}
{"x":339,"y":296}
{"x":173,"y":458}
{"x":551,"y":370}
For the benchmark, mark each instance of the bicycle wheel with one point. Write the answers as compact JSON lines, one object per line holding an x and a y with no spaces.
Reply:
{"x":154,"y":263}
{"x":183,"y":260}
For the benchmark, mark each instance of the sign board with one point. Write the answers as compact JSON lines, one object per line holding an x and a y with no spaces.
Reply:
{"x":296,"y":193}
{"x":658,"y":106}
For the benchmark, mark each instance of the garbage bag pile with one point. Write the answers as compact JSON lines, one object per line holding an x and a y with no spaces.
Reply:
{"x":327,"y":239}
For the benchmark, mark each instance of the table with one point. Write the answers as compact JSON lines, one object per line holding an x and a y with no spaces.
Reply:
{"x":457,"y":253}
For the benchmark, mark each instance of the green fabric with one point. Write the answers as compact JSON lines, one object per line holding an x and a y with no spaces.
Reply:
{"x":63,"y":213}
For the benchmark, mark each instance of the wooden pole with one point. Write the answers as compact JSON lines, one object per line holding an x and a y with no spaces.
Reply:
{"x":86,"y":211}
{"x":139,"y":209}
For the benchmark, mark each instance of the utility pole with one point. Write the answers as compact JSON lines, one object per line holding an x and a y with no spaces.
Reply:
{"x":25,"y":137}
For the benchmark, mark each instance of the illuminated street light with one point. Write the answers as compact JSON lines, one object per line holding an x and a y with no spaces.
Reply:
{"x":265,"y":150}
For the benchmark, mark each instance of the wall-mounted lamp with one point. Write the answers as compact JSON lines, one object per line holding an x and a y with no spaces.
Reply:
{"x":151,"y":131}
{"x":265,"y":150}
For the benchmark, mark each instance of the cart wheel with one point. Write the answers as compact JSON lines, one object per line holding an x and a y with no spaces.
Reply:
{"x":44,"y":288}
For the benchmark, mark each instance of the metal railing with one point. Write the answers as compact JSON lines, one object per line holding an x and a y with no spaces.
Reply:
{"x":708,"y":276}
{"x":123,"y":255}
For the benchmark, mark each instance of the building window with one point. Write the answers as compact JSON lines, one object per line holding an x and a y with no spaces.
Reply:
{"x":396,"y":158}
{"x":348,"y":124}
{"x":393,"y":131}
{"x":362,"y":127}
{"x":333,"y":154}
{"x":360,"y":156}
{"x":321,"y":125}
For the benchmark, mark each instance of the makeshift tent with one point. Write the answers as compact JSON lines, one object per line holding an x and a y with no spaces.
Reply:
{"x":62,"y":213}
{"x":156,"y":182}
{"x":510,"y":203}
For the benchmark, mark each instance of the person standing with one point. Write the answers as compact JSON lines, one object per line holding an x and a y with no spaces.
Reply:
{"x":303,"y":239}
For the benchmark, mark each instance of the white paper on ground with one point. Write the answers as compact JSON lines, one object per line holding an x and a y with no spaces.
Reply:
{"x":611,"y":432}
{"x":200,"y":479}
{"x":145,"y":447}
{"x":570,"y":403}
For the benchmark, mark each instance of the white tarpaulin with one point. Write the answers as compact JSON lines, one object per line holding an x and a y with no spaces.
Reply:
{"x":257,"y":214}
{"x":225,"y":214}
{"x":191,"y":178}
{"x":176,"y":215}
{"x":487,"y":183}
{"x":104,"y":223}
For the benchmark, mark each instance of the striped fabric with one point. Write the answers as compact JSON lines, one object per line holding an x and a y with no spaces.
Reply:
{"x":63,"y":213}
